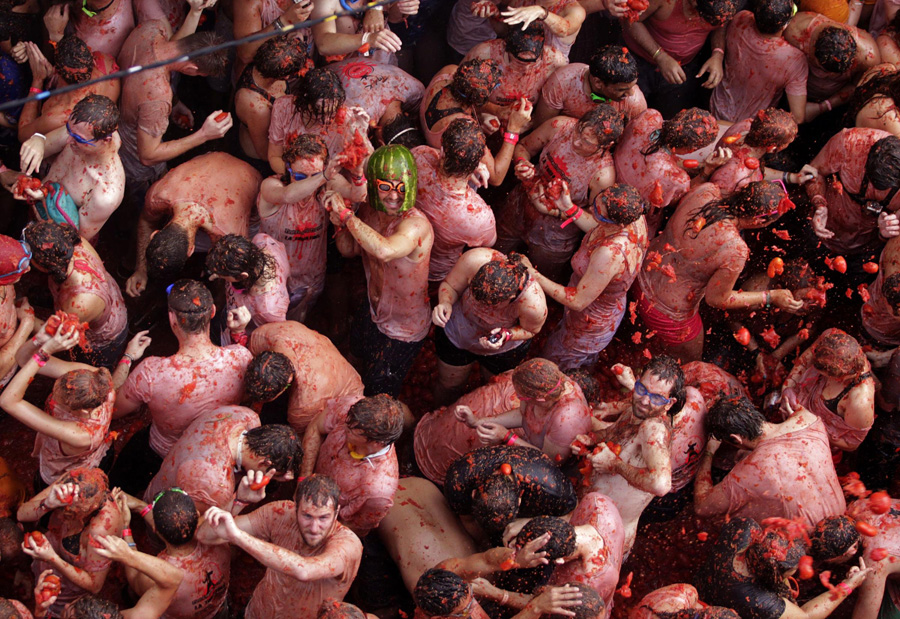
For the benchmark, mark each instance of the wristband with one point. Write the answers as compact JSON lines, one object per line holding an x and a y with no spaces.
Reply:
{"x":36,"y":134}
{"x":345,"y":215}
{"x":364,"y":46}
{"x":279,"y":25}
{"x":512,"y":440}
{"x":784,"y":177}
{"x":126,"y":532}
{"x":359,"y":181}
{"x":131,"y":544}
{"x":827,"y":104}
{"x":380,"y":7}
{"x":124,"y":360}
{"x":768,"y":298}
{"x":125,"y":355}
{"x":572,"y":218}
{"x":718,"y":49}
{"x":512,"y":138}
{"x":41,"y":357}
{"x":506,"y":438}
{"x":657,"y":52}
{"x":147,"y":509}
{"x":844,"y":588}
{"x":34,"y":91}
{"x":504,"y":599}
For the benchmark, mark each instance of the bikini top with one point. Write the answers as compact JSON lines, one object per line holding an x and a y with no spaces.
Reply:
{"x":246,"y":81}
{"x":434,"y":115}
{"x":832,"y":404}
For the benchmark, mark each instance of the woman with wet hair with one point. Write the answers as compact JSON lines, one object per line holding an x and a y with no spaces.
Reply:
{"x":700,"y":255}
{"x":678,"y":601}
{"x":81,"y":285}
{"x":456,"y":91}
{"x":833,"y":380}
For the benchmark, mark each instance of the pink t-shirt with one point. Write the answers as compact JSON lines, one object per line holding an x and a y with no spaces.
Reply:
{"x":459,"y":219}
{"x":440,"y":438}
{"x":789,"y":476}
{"x":320,"y":371}
{"x":280,"y":595}
{"x":877,"y":314}
{"x":758,"y":69}
{"x":602,"y":574}
{"x":52,"y":461}
{"x":374,"y":85}
{"x":105,"y":32}
{"x":368,"y":485}
{"x":734,"y":174}
{"x":286,"y":123}
{"x":670,"y":598}
{"x":202,"y":462}
{"x":680,"y":36}
{"x":568,"y":417}
{"x":711,"y":381}
{"x":271,"y":305}
{"x":178,"y":389}
{"x":207,"y":573}
{"x":688,"y":439}
{"x":173,"y":11}
{"x":564,"y":91}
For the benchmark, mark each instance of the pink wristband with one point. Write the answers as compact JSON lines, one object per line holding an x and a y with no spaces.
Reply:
{"x":512,"y":138}
{"x":845,"y":588}
{"x":41,"y":361}
{"x":345,"y":215}
{"x":718,"y":49}
{"x":147,"y":509}
{"x":827,"y":104}
{"x":571,"y":218}
{"x":512,"y":440}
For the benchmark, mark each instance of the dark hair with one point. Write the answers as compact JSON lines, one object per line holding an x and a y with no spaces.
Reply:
{"x":99,"y":112}
{"x":8,"y":611}
{"x":590,"y":386}
{"x":192,"y":304}
{"x":668,"y":368}
{"x":234,"y":254}
{"x":613,"y":64}
{"x":770,"y":554}
{"x":167,"y":252}
{"x":754,"y":199}
{"x":734,"y":415}
{"x":15,"y":27}
{"x":709,"y":612}
{"x":333,"y":609}
{"x":562,"y":536}
{"x":537,"y":378}
{"x":83,"y":389}
{"x":304,"y":146}
{"x":607,"y":122}
{"x":402,"y":130}
{"x":463,"y":145}
{"x":280,"y":57}
{"x":832,"y":537}
{"x":439,"y":591}
{"x":11,"y":539}
{"x":175,"y":517}
{"x":93,"y":488}
{"x":212,"y":64}
{"x":690,"y":128}
{"x":498,"y":281}
{"x":268,"y":374}
{"x":318,"y":96}
{"x":495,"y":503}
{"x":772,"y":15}
{"x":531,"y":39}
{"x":378,"y":417}
{"x":890,"y":288}
{"x":716,"y":12}
{"x":883,"y":163}
{"x":475,"y":80}
{"x":277,"y":443}
{"x":837,"y":354}
{"x":772,"y":127}
{"x":320,"y":490}
{"x":52,"y":247}
{"x":624,"y":205}
{"x":591,"y":606}
{"x":93,"y":607}
{"x":74,"y":61}
{"x":835,"y":49}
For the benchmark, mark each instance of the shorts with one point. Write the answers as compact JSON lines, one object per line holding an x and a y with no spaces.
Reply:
{"x":449,"y":354}
{"x":668,"y":330}
{"x":106,"y":357}
{"x":386,"y":361}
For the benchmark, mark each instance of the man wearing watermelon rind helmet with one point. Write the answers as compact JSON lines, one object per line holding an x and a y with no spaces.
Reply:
{"x":15,"y":323}
{"x":394,"y":239}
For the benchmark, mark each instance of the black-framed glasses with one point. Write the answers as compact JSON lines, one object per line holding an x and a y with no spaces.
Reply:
{"x":640,"y":390}
{"x":465,"y":612}
{"x":389,"y":186}
{"x":77,"y":137}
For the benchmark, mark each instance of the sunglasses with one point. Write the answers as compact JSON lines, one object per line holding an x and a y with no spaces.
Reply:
{"x":297,"y":176}
{"x":78,"y":138}
{"x":389,"y":186}
{"x":655,"y":399}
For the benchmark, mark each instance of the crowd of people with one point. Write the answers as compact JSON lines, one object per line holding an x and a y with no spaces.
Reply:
{"x":450,"y":308}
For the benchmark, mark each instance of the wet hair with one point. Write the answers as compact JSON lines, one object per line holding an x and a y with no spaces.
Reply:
{"x":402,"y":130}
{"x":11,"y":539}
{"x":562,"y":536}
{"x":613,"y":64}
{"x":212,"y":64}
{"x":278,"y":444}
{"x":591,"y":605}
{"x":192,"y":304}
{"x":318,"y":96}
{"x":463,"y":145}
{"x":74,"y":61}
{"x":837,"y":354}
{"x":590,"y":386}
{"x":234,"y":254}
{"x":304,"y":146}
{"x":439,"y":591}
{"x":607,"y":122}
{"x":175,"y":517}
{"x":538,"y":378}
{"x":668,"y":369}
{"x":772,"y":16}
{"x":716,"y":12}
{"x":8,"y":611}
{"x":99,"y":112}
{"x":495,"y":503}
{"x":756,"y":199}
{"x":692,"y":128}
{"x":83,"y":389}
{"x":333,"y":609}
{"x":771,"y":553}
{"x":624,"y":205}
{"x":93,"y":607}
{"x":498,"y":281}
{"x":531,"y":39}
{"x":93,"y":488}
{"x":883,"y":163}
{"x":475,"y":80}
{"x":320,"y":490}
{"x":835,"y":49}
{"x":14,"y":27}
{"x":167,"y":252}
{"x":709,"y":612}
{"x":267,"y":375}
{"x":378,"y":417}
{"x":52,"y":247}
{"x":734,"y":415}
{"x":280,"y":57}
{"x":890,"y":288}
{"x":772,"y":127}
{"x":832,"y":537}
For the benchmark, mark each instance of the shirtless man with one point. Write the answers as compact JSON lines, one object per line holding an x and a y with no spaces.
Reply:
{"x":359,"y":451}
{"x":320,"y":371}
{"x":788,"y":474}
{"x":213,"y":193}
{"x":88,"y":166}
{"x":268,"y":16}
{"x":74,"y":64}
{"x":643,"y":468}
{"x":310,"y":556}
{"x":395,"y":241}
{"x":103,"y":25}
{"x":611,"y":77}
{"x":219,"y":445}
{"x":199,"y":378}
{"x":15,"y":324}
{"x":760,"y":65}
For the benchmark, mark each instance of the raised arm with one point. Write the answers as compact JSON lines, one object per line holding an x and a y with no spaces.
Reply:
{"x":312,"y":441}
